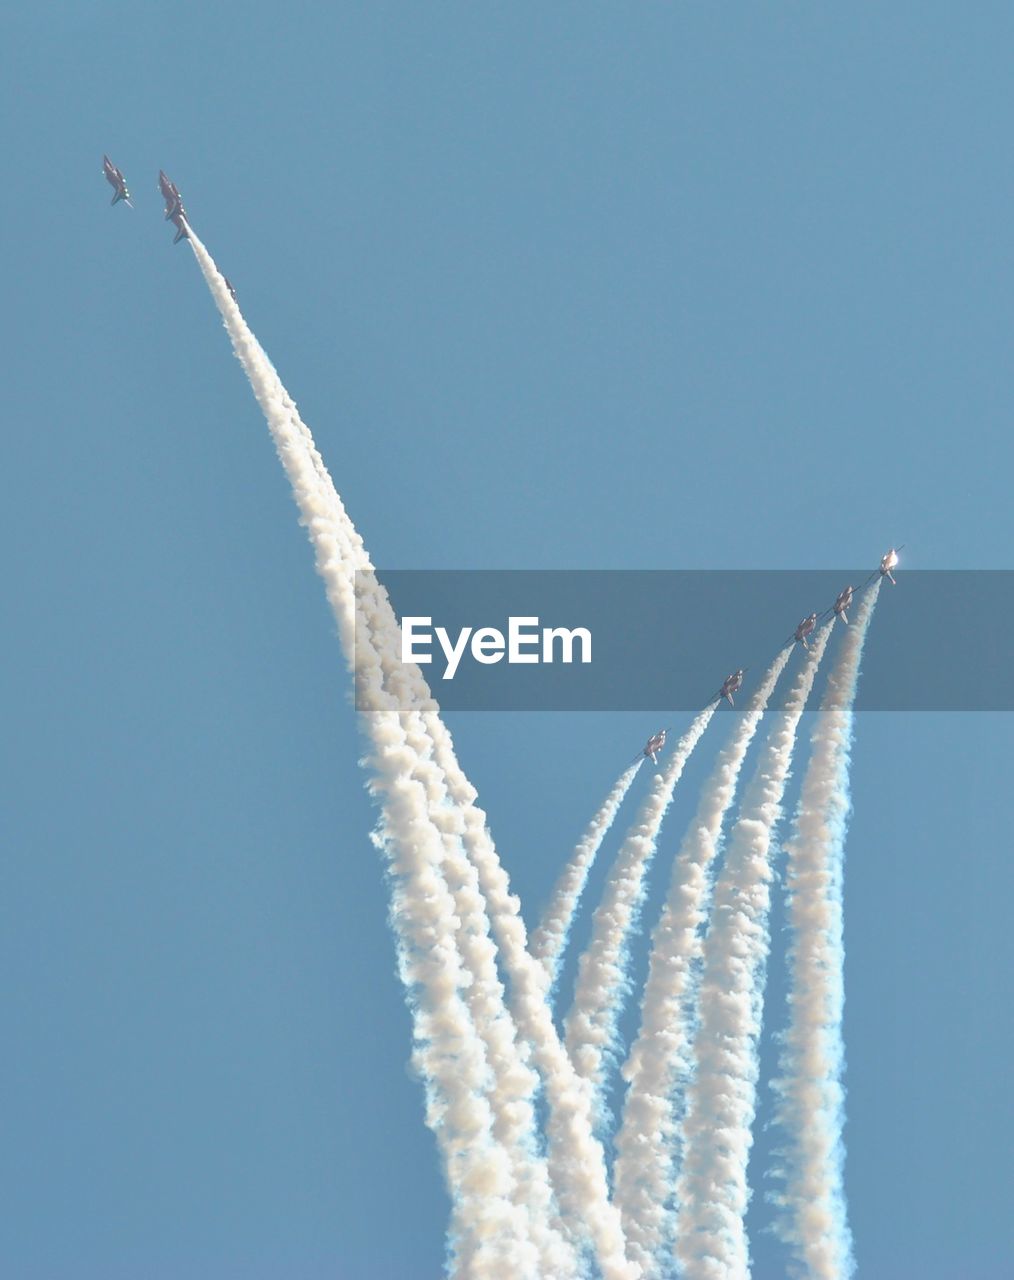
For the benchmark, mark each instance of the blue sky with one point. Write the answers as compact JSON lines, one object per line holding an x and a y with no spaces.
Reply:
{"x":650,"y":287}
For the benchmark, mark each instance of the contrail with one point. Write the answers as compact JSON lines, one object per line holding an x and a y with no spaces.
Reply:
{"x":513,"y":1084}
{"x":515,"y":1081}
{"x":491,"y":1230}
{"x":602,"y":971}
{"x":550,"y":938}
{"x":487,"y":1231}
{"x":576,"y":1157}
{"x":658,"y":1061}
{"x":711,"y":1192}
{"x":810,"y":1096}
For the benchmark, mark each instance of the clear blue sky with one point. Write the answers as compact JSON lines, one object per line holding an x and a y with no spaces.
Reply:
{"x":555,"y":286}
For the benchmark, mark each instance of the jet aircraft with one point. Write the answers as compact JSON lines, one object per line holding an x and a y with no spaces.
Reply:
{"x":174,"y":210}
{"x":887,"y":563}
{"x":843,"y":602}
{"x":803,"y":630}
{"x":170,"y":192}
{"x":730,"y":685}
{"x":654,"y":745}
{"x":116,"y":180}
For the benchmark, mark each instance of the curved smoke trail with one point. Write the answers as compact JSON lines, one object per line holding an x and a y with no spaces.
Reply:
{"x":810,"y":1096}
{"x":711,"y":1192}
{"x":602,"y":972}
{"x":548,"y":941}
{"x":449,"y":890}
{"x":492,"y":1223}
{"x":658,"y":1062}
{"x":575,"y":1155}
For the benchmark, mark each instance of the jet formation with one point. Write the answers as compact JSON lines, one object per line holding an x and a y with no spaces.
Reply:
{"x":804,"y":629}
{"x":177,"y":214}
{"x":116,"y":180}
{"x":174,"y":210}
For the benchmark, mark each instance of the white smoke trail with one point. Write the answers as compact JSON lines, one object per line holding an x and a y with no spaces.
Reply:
{"x":602,"y":970}
{"x":577,"y":1160}
{"x":576,"y":1157}
{"x":810,"y":1106}
{"x":658,"y":1061}
{"x":491,"y":1229}
{"x":711,"y":1192}
{"x":516,"y":1083}
{"x":550,"y":938}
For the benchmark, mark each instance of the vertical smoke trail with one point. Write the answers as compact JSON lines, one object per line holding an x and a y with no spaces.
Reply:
{"x":576,"y":1157}
{"x":490,"y":1230}
{"x":711,"y":1192}
{"x":658,"y":1062}
{"x":602,"y":972}
{"x":810,"y":1095}
{"x":549,"y":939}
{"x":515,"y":1082}
{"x":511,"y":1089}
{"x":488,"y":1234}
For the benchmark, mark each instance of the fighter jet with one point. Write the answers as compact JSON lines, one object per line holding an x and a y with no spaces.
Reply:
{"x":116,"y":180}
{"x":730,"y":685}
{"x":803,"y":630}
{"x":888,"y":563}
{"x":843,"y":602}
{"x":654,"y":745}
{"x":170,"y":193}
{"x":174,"y":210}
